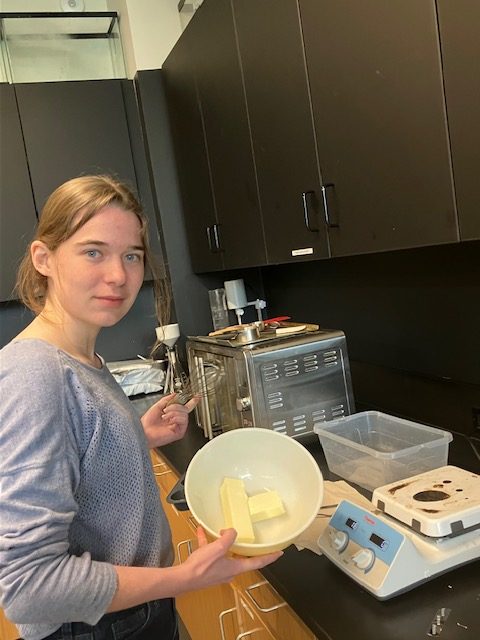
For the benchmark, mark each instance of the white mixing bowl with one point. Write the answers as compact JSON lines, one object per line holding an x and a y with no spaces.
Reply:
{"x":264,"y":460}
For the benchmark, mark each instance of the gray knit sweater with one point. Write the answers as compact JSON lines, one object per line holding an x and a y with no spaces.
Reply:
{"x":77,"y":492}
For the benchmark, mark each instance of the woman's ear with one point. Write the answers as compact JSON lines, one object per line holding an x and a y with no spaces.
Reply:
{"x":40,"y":254}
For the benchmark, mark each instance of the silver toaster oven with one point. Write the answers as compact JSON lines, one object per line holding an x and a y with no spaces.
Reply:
{"x":288,"y":383}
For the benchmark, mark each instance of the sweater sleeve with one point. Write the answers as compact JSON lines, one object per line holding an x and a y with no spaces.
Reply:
{"x":40,"y":581}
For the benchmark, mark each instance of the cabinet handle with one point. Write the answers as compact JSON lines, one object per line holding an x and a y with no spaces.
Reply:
{"x":248,"y":591}
{"x":216,"y":237}
{"x":179,"y":546}
{"x":193,"y":522}
{"x":307,"y":198}
{"x":328,"y":216}
{"x":221,"y":616}
{"x":213,"y":237}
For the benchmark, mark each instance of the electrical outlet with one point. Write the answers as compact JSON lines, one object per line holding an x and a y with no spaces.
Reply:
{"x":476,"y":418}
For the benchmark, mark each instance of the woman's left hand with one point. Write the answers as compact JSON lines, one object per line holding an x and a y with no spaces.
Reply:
{"x":164,"y":423}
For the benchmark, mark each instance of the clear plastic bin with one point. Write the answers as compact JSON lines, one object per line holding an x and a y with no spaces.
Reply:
{"x":372,"y":449}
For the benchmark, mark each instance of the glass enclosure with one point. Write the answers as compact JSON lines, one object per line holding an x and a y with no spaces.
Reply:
{"x":49,"y":47}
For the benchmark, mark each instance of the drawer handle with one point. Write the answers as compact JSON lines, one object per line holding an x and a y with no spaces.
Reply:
{"x":161,"y":465}
{"x":180,"y":545}
{"x":245,"y":634}
{"x":193,"y":522}
{"x":162,"y":473}
{"x":248,"y":591}
{"x":221,"y":616}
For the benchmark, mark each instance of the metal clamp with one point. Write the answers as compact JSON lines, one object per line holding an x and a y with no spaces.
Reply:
{"x":260,"y":608}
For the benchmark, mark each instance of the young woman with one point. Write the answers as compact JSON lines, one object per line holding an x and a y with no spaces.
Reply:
{"x":85,"y":548}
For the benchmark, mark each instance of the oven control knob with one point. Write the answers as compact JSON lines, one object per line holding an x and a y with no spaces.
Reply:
{"x":243,"y":404}
{"x":339,"y":540}
{"x":364,"y":559}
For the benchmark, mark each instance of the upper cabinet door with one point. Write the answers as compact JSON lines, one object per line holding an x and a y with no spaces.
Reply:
{"x":74,"y":128}
{"x":273,"y":63}
{"x":222,"y":101}
{"x":190,"y":151}
{"x":17,"y":209}
{"x":460,"y":43}
{"x":379,"y":111}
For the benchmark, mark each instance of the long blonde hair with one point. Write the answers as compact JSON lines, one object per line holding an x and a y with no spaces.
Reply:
{"x":67,"y":209}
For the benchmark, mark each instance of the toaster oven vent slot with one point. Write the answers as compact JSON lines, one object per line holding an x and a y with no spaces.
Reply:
{"x":280,"y":426}
{"x":275,"y":400}
{"x":270,"y":378}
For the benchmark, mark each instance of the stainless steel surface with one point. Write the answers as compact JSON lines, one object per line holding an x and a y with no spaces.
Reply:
{"x":286,"y":383}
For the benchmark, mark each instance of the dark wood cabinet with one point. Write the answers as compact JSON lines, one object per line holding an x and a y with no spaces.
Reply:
{"x":190,"y":150}
{"x":74,"y":128}
{"x":377,"y":94}
{"x":77,"y":128}
{"x":459,"y":22}
{"x":316,"y":128}
{"x":277,"y":96}
{"x":218,"y":76}
{"x":17,"y":209}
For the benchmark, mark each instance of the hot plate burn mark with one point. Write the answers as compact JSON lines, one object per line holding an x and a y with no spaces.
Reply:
{"x":431,"y":495}
{"x":394,"y":490}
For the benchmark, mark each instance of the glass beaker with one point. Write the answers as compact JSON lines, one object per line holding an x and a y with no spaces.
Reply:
{"x":218,"y":307}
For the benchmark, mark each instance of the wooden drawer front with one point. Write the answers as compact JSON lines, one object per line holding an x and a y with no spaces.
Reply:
{"x":165,"y":476}
{"x":8,"y":631}
{"x":248,"y":622}
{"x":274,"y":612}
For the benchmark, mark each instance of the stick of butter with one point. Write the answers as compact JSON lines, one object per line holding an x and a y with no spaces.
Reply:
{"x":264,"y":506}
{"x":235,"y":509}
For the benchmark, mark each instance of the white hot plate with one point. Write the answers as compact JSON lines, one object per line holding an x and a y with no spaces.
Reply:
{"x":437,"y":503}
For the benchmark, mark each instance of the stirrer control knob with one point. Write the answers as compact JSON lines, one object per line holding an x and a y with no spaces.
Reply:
{"x":339,"y":540}
{"x":364,"y":559}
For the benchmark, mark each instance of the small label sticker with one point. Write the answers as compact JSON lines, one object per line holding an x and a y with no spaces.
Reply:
{"x":302,"y":252}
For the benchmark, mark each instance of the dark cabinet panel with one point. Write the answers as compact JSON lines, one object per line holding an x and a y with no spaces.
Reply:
{"x":145,"y":190}
{"x":74,"y":128}
{"x":379,"y":112}
{"x":459,"y":22}
{"x":17,"y":209}
{"x":222,"y":101}
{"x":77,"y":128}
{"x":190,"y":151}
{"x":273,"y":64}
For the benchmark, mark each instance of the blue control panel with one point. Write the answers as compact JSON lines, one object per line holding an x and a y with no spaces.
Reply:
{"x":368,"y":531}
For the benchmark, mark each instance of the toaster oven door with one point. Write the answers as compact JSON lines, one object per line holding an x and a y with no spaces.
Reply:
{"x":216,"y":412}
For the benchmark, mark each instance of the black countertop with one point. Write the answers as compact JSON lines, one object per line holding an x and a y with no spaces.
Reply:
{"x":335,"y":607}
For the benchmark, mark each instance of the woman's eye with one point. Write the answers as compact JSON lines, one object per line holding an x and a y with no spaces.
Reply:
{"x":92,"y":253}
{"x":133,"y":257}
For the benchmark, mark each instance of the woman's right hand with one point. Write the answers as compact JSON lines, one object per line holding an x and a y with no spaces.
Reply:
{"x":211,"y":564}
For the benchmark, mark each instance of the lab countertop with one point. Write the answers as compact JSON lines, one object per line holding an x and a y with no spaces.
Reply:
{"x":335,"y":607}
